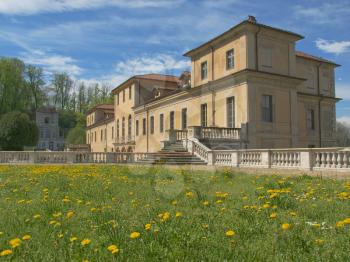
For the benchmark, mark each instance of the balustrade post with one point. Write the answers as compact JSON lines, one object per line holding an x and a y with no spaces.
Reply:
{"x":70,"y":157}
{"x":32,"y":157}
{"x":306,"y":160}
{"x":211,"y":159}
{"x":234,"y":159}
{"x":266,"y":158}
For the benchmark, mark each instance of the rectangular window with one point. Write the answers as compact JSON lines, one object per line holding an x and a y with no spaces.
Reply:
{"x":137,"y":127}
{"x":204,"y":116}
{"x":266,"y":56}
{"x":124,"y":95}
{"x":161,"y":123}
{"x":105,"y":134}
{"x":310,"y":119}
{"x":172,"y":120}
{"x":118,"y":99}
{"x":267,"y":108}
{"x":95,"y":136}
{"x":101,"y":135}
{"x":144,"y":126}
{"x":112,"y":132}
{"x":230,"y":112}
{"x":230,"y":59}
{"x":184,"y":118}
{"x":152,"y":124}
{"x":130,"y":92}
{"x":204,"y":70}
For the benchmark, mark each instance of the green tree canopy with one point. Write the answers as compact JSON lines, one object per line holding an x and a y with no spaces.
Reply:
{"x":17,"y":131}
{"x":76,"y":136}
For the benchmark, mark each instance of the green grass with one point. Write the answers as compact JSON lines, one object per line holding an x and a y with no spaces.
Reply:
{"x":111,"y":202}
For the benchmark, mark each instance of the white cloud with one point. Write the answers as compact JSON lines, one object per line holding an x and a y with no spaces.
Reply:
{"x":333,"y":47}
{"x":146,"y":64}
{"x":29,"y":7}
{"x":53,"y":63}
{"x":327,"y":13}
{"x":345,"y":120}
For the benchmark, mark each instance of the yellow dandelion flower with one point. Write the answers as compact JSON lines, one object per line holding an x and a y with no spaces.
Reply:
{"x":15,"y":242}
{"x":70,"y":214}
{"x":319,"y":241}
{"x":178,"y":214}
{"x":230,"y":233}
{"x":206,"y":203}
{"x":5,"y":252}
{"x":135,"y":235}
{"x":72,"y":239}
{"x":113,"y":249}
{"x":286,"y":226}
{"x":339,"y":224}
{"x":218,"y":201}
{"x":37,"y":216}
{"x":189,"y":194}
{"x":148,"y":227}
{"x":174,"y":203}
{"x":266,"y":205}
{"x":85,"y":242}
{"x":273,"y":215}
{"x":26,"y":237}
{"x":58,"y":214}
{"x":346,"y":221}
{"x":205,"y":226}
{"x":293,"y":214}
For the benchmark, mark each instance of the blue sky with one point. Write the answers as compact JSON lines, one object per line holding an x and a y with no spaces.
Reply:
{"x":110,"y":40}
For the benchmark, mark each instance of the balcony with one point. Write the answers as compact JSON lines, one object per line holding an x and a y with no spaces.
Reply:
{"x":212,"y":137}
{"x":127,"y":140}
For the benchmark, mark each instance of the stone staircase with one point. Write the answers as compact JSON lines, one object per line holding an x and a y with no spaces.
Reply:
{"x":172,"y":154}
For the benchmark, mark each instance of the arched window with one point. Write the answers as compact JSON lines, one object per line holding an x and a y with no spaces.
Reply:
{"x":123,"y":128}
{"x":129,"y":126}
{"x":118,"y":128}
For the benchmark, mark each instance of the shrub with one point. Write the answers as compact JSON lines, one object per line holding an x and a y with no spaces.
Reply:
{"x":17,"y":131}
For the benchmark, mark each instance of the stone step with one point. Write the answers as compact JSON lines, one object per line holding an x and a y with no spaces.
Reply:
{"x":171,"y":162}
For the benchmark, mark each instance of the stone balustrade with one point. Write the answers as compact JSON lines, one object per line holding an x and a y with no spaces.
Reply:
{"x":304,"y":159}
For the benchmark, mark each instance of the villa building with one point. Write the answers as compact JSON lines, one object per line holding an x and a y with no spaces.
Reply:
{"x":248,"y":88}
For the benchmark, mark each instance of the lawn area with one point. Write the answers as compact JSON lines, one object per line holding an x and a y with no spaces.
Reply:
{"x":114,"y":213}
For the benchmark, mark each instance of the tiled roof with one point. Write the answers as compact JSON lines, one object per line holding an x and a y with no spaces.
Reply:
{"x":312,"y":57}
{"x":215,"y":39}
{"x":47,"y":109}
{"x":159,"y":77}
{"x":108,"y":108}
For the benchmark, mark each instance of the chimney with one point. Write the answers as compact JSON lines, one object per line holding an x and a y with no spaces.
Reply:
{"x":251,"y":19}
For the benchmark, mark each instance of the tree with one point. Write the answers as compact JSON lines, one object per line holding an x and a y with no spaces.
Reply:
{"x":66,"y":120}
{"x":13,"y":90}
{"x":35,"y":84}
{"x":17,"y":131}
{"x":81,"y":98}
{"x":76,"y":136}
{"x":343,"y":135}
{"x":62,"y":85}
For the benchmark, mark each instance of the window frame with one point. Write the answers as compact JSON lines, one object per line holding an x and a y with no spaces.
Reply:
{"x":204,"y":114}
{"x":144,"y":126}
{"x":161,"y":123}
{"x":310,"y":119}
{"x":184,"y":118}
{"x":231,"y":58}
{"x":231,"y":123}
{"x":172,"y":120}
{"x":267,"y":110}
{"x":204,"y":73}
{"x":151,"y":119}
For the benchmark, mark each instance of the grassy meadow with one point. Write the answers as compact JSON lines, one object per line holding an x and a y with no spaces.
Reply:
{"x":114,"y":213}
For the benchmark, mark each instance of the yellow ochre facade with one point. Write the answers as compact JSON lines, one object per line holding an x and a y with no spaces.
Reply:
{"x":250,"y":79}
